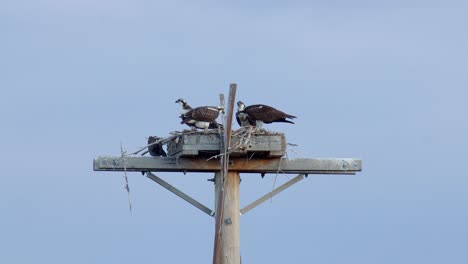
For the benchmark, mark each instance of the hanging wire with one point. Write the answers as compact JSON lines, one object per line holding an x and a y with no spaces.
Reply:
{"x":123,"y":153}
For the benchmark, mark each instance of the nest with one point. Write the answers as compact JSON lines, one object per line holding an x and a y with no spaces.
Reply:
{"x":245,"y":134}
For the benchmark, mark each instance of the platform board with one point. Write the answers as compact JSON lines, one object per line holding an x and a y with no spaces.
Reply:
{"x":205,"y":145}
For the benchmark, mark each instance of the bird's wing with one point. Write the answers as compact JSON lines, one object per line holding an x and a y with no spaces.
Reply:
{"x":205,"y":113}
{"x":264,"y":113}
{"x":238,"y":119}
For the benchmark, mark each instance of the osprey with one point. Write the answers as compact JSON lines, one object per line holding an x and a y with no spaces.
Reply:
{"x":203,"y":117}
{"x":155,"y":149}
{"x":256,"y":115}
{"x":185,"y":106}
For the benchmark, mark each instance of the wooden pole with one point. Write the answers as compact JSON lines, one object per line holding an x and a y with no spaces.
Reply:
{"x":230,"y":225}
{"x":227,"y":244}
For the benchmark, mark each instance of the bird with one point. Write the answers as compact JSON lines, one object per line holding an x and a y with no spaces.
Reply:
{"x":203,"y":117}
{"x":258,"y":114}
{"x":155,"y":150}
{"x":185,"y":106}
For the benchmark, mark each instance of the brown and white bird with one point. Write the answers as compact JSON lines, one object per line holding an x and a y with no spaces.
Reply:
{"x":258,"y":114}
{"x":203,"y":117}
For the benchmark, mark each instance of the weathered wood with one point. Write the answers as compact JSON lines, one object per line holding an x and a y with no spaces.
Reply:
{"x":219,"y":192}
{"x":242,"y":165}
{"x":200,"y":144}
{"x":230,"y":224}
{"x":271,"y":194}
{"x":224,"y":190}
{"x":179,"y":193}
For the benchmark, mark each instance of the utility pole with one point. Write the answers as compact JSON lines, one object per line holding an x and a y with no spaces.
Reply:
{"x":187,"y":153}
{"x":229,"y":249}
{"x":227,"y":228}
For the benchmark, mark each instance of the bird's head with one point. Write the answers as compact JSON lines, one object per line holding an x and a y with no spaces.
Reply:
{"x":240,"y":106}
{"x":181,"y":101}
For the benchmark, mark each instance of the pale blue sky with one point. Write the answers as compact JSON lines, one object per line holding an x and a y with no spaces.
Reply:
{"x":383,"y":82}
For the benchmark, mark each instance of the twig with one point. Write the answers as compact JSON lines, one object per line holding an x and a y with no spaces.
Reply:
{"x":163,"y":141}
{"x":276,"y":176}
{"x":297,"y":153}
{"x":239,"y":145}
{"x":215,"y":156}
{"x":301,"y":155}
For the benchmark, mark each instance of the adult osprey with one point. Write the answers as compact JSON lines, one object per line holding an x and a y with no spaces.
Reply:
{"x":256,"y":115}
{"x":203,"y":117}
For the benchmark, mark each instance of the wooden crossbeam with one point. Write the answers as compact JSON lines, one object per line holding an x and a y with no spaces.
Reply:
{"x":243,"y":165}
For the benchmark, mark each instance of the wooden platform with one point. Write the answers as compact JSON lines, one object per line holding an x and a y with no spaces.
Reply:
{"x":268,"y":145}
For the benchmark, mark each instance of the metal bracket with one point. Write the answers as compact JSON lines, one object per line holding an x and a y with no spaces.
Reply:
{"x":181,"y":194}
{"x":271,"y":194}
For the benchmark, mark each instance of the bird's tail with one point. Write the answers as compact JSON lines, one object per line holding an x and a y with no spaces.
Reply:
{"x":214,"y":125}
{"x":285,"y":121}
